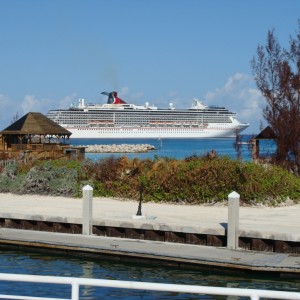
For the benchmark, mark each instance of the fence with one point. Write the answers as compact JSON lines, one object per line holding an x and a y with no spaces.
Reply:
{"x":76,"y":282}
{"x":6,"y":162}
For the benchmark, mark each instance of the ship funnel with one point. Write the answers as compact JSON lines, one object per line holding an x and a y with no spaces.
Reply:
{"x":113,"y":98}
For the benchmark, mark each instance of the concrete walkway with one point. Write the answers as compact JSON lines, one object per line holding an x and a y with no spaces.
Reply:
{"x":282,"y":223}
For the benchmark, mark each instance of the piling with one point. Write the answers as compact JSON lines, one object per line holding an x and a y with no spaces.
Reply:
{"x":87,"y":210}
{"x":233,"y":220}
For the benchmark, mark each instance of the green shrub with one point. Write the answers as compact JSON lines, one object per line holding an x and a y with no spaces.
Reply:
{"x":45,"y":179}
{"x":194,"y":180}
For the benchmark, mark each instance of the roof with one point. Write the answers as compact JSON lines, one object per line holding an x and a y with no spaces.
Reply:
{"x":36,"y":124}
{"x":266,"y":134}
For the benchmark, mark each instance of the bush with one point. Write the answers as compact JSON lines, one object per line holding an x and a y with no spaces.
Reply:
{"x":194,"y":180}
{"x":44,"y":179}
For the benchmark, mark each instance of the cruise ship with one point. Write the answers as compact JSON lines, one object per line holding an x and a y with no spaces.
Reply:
{"x":120,"y":120}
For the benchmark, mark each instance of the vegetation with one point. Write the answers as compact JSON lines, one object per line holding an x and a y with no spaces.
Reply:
{"x":277,"y":74}
{"x":195,"y":180}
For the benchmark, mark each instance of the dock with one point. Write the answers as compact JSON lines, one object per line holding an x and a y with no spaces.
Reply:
{"x":182,"y":235}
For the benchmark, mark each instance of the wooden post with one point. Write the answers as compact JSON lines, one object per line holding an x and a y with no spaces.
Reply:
{"x":233,"y":221}
{"x":255,"y":149}
{"x":87,"y":210}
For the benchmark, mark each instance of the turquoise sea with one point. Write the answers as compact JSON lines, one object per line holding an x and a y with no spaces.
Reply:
{"x":26,"y":262}
{"x":180,"y":148}
{"x":175,"y":148}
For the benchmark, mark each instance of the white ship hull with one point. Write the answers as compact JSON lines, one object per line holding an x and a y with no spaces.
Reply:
{"x":119,"y":120}
{"x":151,"y":133}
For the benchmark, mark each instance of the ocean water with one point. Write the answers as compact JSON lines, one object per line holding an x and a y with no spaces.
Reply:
{"x":175,"y":148}
{"x":24,"y":262}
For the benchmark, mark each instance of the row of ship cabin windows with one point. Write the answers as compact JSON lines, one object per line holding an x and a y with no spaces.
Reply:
{"x":142,"y":121}
{"x":173,"y":129}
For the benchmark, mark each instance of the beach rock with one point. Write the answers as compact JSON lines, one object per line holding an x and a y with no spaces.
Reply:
{"x":122,"y":148}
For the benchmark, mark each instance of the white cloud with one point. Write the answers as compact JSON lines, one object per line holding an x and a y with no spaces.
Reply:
{"x":240,"y":95}
{"x":126,"y":95}
{"x":33,"y":104}
{"x":65,"y":102}
{"x":30,"y":103}
{"x":235,"y":87}
{"x":8,"y":110}
{"x":4,"y":102}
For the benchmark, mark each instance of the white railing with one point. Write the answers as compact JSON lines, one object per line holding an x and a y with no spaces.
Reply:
{"x":6,"y":162}
{"x":75,"y":283}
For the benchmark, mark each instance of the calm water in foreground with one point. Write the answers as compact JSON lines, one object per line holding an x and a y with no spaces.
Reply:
{"x":23,"y":262}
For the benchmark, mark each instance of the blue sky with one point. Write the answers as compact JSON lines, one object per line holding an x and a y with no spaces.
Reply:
{"x":56,"y":51}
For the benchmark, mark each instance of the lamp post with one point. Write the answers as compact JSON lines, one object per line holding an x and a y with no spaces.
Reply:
{"x":139,"y":211}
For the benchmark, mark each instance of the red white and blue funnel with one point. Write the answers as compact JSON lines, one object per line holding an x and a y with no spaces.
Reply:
{"x":113,"y":98}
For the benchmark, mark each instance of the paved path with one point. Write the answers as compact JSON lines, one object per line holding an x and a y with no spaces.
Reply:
{"x":277,"y":223}
{"x":282,"y":223}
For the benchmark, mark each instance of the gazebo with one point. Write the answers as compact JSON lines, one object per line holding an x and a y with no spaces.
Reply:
{"x":38,"y":136}
{"x":265,"y":134}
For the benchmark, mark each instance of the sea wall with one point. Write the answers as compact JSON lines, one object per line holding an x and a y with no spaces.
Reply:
{"x":122,"y":148}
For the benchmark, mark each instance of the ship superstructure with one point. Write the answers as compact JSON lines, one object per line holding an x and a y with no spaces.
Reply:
{"x":118,"y":119}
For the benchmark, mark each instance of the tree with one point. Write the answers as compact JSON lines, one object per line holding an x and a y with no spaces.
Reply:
{"x":15,"y":118}
{"x":276,"y":72}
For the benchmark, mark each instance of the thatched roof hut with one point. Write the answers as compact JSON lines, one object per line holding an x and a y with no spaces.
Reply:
{"x":33,"y":135}
{"x":265,"y":134}
{"x":35,"y":123}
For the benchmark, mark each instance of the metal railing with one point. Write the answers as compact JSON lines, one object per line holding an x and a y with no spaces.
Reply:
{"x":75,"y":283}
